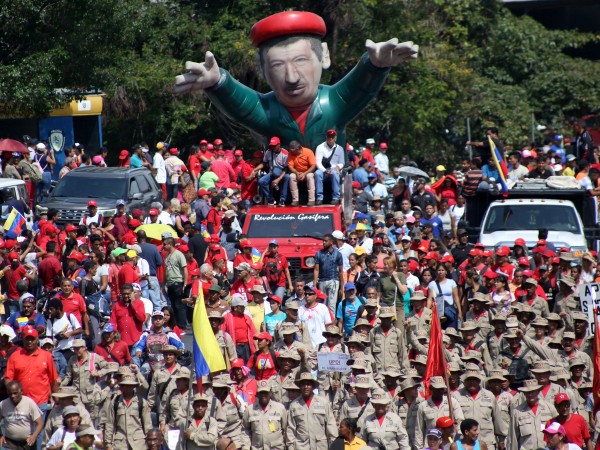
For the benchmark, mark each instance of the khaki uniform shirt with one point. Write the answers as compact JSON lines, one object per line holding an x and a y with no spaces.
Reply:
{"x":226,"y":345}
{"x":414,"y":322}
{"x":178,"y":409}
{"x":79,"y":376}
{"x":387,"y":350}
{"x":163,"y":383}
{"x":485,"y":410}
{"x":266,"y":429}
{"x":310,"y":427}
{"x":204,"y":435}
{"x":408,"y":415}
{"x":525,"y":431}
{"x":127,"y":429}
{"x":483,"y":321}
{"x":352,"y":409}
{"x":481,"y":347}
{"x":390,"y":435}
{"x":428,"y":413}
{"x":230,"y":421}
{"x":539,"y":306}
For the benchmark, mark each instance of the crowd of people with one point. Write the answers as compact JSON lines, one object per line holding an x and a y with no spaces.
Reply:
{"x":93,"y":353}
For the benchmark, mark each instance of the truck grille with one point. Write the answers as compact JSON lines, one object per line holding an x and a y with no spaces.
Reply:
{"x":294,"y":265}
{"x":70,"y":216}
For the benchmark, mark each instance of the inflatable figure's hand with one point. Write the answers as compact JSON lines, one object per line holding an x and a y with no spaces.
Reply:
{"x":198,"y":76}
{"x":391,"y":53}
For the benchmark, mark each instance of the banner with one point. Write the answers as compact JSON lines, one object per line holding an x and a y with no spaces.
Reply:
{"x":589,"y":298}
{"x":333,"y":362}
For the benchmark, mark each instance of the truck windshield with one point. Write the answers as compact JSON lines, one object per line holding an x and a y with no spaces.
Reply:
{"x":531,"y":217}
{"x":87,"y":187}
{"x":289,"y":225}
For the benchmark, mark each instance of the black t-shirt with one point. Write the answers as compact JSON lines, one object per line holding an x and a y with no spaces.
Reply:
{"x":198,"y":247}
{"x":460,"y":254}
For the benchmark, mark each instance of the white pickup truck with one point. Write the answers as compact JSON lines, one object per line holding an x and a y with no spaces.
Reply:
{"x":568,"y":214}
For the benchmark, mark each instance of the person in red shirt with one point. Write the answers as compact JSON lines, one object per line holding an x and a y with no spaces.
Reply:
{"x":223,"y":170}
{"x":120,"y":220}
{"x":15,"y":273}
{"x":128,"y":316}
{"x":74,"y":270}
{"x":50,"y":269}
{"x":213,"y":218}
{"x":34,"y":368}
{"x":243,"y":384}
{"x":241,"y":328}
{"x":245,"y":256}
{"x":276,"y":269}
{"x":112,"y":350}
{"x":264,"y":361}
{"x":244,"y":282}
{"x":249,"y":173}
{"x":130,"y":238}
{"x":576,"y":428}
{"x":194,"y":164}
{"x":238,"y":162}
{"x":73,"y":303}
{"x":127,"y":273}
{"x":205,"y":154}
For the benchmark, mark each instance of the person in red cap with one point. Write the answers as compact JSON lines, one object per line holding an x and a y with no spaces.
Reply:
{"x":302,"y":165}
{"x":223,"y":170}
{"x":293,"y":39}
{"x":175,"y":168}
{"x":576,"y":429}
{"x":34,"y":369}
{"x":75,"y":271}
{"x":238,"y":162}
{"x":502,"y":264}
{"x":249,"y":174}
{"x":330,"y":162}
{"x":276,"y":180}
{"x":382,"y":162}
{"x":264,"y":361}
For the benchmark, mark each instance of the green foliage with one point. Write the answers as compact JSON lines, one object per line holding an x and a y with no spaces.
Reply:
{"x":477,"y":61}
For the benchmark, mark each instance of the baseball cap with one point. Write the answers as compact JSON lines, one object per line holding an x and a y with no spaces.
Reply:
{"x":273,"y":242}
{"x":382,"y":145}
{"x":444,"y":422}
{"x":349,"y":286}
{"x":331,"y":133}
{"x":370,"y":141}
{"x":108,"y":328}
{"x":274,"y":141}
{"x":13,"y":256}
{"x":440,"y":168}
{"x":120,"y":202}
{"x":29,"y":331}
{"x":153,"y":212}
{"x":562,"y":397}
{"x":92,"y":203}
{"x":377,"y":241}
{"x":124,"y":154}
{"x":555,"y":428}
{"x":356,"y":185}
{"x":571,"y":158}
{"x":238,"y":153}
{"x":435,"y":432}
{"x":372,"y":175}
{"x":338,"y":234}
{"x":158,"y":313}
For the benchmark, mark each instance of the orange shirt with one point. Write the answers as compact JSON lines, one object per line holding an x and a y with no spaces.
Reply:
{"x":302,"y":162}
{"x":35,"y":372}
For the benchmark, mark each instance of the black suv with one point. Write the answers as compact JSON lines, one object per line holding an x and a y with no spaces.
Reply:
{"x":106,"y":185}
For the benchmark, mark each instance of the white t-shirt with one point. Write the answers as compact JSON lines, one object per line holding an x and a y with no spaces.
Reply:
{"x":102,"y":270}
{"x":458,"y":212}
{"x":165,"y":218}
{"x":158,"y":163}
{"x":316,"y":319}
{"x":62,"y":325}
{"x":382,"y":163}
{"x":58,"y":437}
{"x":148,"y":309}
{"x":346,"y":250}
{"x":447,"y":287}
{"x":143,"y":269}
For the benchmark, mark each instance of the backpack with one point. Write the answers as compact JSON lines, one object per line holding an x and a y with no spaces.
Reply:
{"x":519,"y":368}
{"x":272,"y":270}
{"x":35,"y":169}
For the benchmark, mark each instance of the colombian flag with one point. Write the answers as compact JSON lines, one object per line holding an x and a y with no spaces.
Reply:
{"x":14,"y":224}
{"x":500,"y":165}
{"x":207,"y":354}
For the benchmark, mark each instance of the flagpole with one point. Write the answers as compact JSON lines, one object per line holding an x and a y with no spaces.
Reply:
{"x":446,"y":376}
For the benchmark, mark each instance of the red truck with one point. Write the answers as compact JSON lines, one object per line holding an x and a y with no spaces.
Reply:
{"x":298,"y":230}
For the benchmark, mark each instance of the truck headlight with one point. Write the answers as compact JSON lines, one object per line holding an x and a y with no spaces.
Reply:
{"x":310,"y":262}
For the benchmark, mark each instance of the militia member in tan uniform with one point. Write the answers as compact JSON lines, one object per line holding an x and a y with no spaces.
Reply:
{"x":265,"y":421}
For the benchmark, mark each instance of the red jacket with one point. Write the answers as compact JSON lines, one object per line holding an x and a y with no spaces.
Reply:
{"x":129,"y":320}
{"x":119,"y":353}
{"x":251,"y":329}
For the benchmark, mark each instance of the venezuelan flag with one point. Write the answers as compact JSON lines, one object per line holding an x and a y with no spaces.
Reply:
{"x":500,"y":165}
{"x":14,"y":224}
{"x":207,"y":354}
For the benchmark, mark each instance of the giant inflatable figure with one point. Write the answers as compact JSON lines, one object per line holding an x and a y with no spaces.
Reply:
{"x":292,"y":58}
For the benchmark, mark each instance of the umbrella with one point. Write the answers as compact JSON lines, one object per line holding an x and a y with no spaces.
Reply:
{"x":155,"y":230}
{"x":11,"y":145}
{"x":359,"y":226}
{"x":409,"y":171}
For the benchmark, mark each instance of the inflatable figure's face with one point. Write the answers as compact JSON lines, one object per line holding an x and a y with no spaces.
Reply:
{"x":293,"y":71}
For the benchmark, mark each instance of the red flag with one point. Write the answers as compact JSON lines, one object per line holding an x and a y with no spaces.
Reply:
{"x":436,"y":360}
{"x":596,"y":355}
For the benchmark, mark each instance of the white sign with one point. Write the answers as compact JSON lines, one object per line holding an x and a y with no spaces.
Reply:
{"x":333,"y":362}
{"x":589,"y":298}
{"x":84,"y":105}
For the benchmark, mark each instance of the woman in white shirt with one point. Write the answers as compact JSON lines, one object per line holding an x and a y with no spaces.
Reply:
{"x":65,"y":435}
{"x":445,"y":289}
